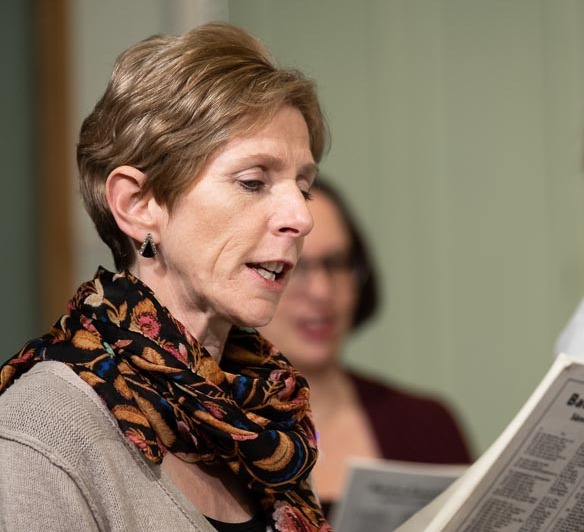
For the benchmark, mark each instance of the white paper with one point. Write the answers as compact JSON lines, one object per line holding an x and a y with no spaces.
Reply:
{"x":532,"y":477}
{"x":382,"y":494}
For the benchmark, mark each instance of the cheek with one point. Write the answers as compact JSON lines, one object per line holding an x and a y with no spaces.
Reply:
{"x":211,"y":244}
{"x":347,"y":299}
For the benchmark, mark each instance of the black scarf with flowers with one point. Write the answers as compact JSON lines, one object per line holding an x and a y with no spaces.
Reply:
{"x":167,"y":393}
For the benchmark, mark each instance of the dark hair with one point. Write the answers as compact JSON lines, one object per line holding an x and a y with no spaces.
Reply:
{"x":369,"y":297}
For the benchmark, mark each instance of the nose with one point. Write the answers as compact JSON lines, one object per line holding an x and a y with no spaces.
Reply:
{"x":292,"y":216}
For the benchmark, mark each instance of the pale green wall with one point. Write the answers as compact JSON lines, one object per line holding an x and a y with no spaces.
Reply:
{"x":457,"y":135}
{"x":19,"y":262}
{"x":101,"y":31}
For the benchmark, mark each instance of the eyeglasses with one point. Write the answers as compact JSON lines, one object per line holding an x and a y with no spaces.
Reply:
{"x":337,"y":267}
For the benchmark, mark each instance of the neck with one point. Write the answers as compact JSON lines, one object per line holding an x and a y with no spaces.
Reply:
{"x":328,"y":388}
{"x":211,"y":335}
{"x":210,"y":330}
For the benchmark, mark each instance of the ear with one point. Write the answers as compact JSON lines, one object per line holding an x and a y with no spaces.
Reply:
{"x":135,"y":214}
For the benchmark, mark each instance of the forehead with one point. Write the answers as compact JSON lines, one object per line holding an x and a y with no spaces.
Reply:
{"x":330,"y":233}
{"x":284,"y":135}
{"x":286,"y":120}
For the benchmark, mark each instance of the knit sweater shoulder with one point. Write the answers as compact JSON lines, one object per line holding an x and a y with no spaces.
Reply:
{"x":65,"y":465}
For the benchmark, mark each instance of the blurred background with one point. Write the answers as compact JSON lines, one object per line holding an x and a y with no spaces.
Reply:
{"x":457,"y":131}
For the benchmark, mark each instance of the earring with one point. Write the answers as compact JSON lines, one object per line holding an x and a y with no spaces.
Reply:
{"x":148,"y":248}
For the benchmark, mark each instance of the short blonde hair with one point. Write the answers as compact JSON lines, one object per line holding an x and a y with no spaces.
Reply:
{"x":171,"y":102}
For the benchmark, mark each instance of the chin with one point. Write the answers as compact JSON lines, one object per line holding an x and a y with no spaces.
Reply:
{"x":312,"y":361}
{"x":259,"y":317}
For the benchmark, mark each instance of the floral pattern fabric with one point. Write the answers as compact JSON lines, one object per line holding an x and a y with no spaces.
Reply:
{"x":167,"y":393}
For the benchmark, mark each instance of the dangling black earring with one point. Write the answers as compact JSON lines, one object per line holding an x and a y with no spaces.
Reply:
{"x":148,"y":248}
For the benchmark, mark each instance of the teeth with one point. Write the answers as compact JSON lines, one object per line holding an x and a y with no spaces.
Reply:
{"x":270,"y":276}
{"x":268,"y":270}
{"x":275,"y":267}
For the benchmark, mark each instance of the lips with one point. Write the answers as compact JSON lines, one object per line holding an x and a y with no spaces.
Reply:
{"x":317,"y":328}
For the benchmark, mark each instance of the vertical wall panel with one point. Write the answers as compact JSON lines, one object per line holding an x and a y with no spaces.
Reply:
{"x":19,"y":265}
{"x":457,"y":135}
{"x":53,"y":93}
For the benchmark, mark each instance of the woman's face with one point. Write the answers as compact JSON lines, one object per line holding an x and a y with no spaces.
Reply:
{"x":317,"y":308}
{"x":231,"y":240}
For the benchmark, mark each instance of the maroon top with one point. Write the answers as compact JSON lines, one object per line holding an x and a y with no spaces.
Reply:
{"x":411,"y":427}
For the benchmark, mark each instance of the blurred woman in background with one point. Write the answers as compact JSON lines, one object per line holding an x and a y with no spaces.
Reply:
{"x":332,"y":292}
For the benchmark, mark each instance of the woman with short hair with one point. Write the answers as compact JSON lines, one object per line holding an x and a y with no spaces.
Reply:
{"x":154,"y":404}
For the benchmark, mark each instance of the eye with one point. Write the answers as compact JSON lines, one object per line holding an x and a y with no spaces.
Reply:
{"x":252,"y":185}
{"x":307,"y":195}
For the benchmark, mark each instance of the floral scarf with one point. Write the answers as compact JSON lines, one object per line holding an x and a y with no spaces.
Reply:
{"x":167,"y":393}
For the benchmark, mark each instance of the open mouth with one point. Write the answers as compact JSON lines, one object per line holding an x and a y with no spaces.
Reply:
{"x":271,"y":271}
